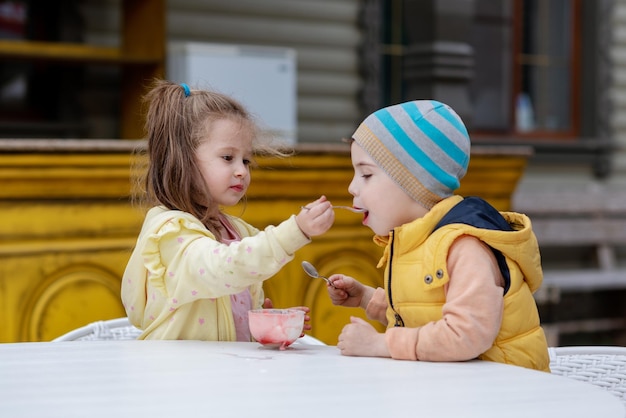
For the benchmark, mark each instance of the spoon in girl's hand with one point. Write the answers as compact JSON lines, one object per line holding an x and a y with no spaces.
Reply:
{"x":312,"y":271}
{"x":350,"y":208}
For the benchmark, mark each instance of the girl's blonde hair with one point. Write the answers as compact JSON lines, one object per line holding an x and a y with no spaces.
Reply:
{"x":177,"y":122}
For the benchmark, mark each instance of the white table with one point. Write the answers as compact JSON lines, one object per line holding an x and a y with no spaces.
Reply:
{"x":116,"y":379}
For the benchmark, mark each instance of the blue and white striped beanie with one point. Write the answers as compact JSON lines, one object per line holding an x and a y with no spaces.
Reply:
{"x":422,"y":145}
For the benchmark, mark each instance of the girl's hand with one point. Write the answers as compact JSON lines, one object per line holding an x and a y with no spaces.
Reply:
{"x":307,"y":318}
{"x":345,"y":290}
{"x":267,"y":304}
{"x":316,"y":217}
{"x":360,"y":338}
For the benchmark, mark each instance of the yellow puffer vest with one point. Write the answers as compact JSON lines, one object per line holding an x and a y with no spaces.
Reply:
{"x":416,"y":272}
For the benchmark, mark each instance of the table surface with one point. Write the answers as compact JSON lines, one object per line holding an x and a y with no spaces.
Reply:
{"x":194,"y":378}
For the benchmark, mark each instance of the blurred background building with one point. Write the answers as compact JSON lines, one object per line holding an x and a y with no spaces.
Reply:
{"x":541,"y":85}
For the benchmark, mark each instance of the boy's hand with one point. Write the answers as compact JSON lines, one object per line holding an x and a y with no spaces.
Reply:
{"x":360,"y":338}
{"x":345,"y":290}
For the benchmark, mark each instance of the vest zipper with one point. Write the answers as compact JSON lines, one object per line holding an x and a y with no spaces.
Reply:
{"x":399,"y":322}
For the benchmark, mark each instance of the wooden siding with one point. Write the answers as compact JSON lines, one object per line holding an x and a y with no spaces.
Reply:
{"x":325,"y":35}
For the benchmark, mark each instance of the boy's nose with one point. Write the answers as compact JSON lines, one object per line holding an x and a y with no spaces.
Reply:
{"x":351,"y":188}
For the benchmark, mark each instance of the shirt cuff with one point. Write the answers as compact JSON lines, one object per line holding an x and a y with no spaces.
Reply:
{"x":290,"y":236}
{"x":376,"y":308}
{"x":402,"y":343}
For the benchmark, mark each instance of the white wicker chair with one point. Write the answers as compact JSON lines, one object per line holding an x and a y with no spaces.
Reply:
{"x":603,"y":366}
{"x":112,"y":329}
{"x":121,"y":329}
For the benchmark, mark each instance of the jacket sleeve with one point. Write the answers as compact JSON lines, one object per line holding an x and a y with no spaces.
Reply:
{"x":471,"y":315}
{"x":186,"y":262}
{"x":377,"y":307}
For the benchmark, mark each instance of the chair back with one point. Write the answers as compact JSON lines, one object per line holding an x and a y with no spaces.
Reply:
{"x":112,"y":329}
{"x":121,"y":329}
{"x":603,"y":366}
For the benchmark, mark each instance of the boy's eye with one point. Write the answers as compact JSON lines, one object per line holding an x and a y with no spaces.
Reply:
{"x":227,"y":157}
{"x":366,"y":176}
{"x":246,"y":161}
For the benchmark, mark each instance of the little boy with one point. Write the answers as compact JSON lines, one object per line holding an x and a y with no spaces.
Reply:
{"x":459,"y":275}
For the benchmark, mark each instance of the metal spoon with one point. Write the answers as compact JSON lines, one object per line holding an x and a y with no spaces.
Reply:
{"x":350,"y":208}
{"x":312,"y":271}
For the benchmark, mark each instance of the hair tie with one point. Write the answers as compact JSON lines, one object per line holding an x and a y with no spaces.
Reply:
{"x":186,"y":88}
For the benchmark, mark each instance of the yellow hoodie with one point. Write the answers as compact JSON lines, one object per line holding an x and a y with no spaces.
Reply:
{"x":179,"y":278}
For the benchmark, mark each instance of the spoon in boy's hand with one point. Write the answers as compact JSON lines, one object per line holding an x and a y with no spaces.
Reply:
{"x":312,"y":271}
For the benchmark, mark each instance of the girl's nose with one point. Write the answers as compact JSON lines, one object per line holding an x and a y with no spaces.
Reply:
{"x":241,"y":170}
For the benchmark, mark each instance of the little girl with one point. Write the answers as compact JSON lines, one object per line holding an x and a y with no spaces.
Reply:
{"x":196,"y":271}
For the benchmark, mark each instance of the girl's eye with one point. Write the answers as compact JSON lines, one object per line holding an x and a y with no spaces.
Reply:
{"x":227,"y":157}
{"x":366,"y":176}
{"x":246,"y":161}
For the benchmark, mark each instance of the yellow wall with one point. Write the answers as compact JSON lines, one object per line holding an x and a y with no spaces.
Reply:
{"x":67,"y":228}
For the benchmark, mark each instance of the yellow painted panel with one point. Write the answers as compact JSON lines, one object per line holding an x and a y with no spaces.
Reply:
{"x":51,"y":220}
{"x":67,"y":228}
{"x":46,"y":293}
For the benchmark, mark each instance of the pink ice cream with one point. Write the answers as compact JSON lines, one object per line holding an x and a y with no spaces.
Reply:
{"x":276,"y":327}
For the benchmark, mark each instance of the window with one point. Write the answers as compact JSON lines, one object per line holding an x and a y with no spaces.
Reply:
{"x":527,"y":72}
{"x":54,"y":84}
{"x":527,"y":68}
{"x":546,"y":67}
{"x":38,"y":98}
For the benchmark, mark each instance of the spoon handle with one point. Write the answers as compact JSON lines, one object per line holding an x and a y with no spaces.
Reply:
{"x":350,"y":208}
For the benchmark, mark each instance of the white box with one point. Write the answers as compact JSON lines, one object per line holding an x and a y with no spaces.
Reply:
{"x":262,"y":78}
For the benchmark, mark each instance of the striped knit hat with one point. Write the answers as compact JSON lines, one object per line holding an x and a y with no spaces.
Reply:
{"x":422,"y":145}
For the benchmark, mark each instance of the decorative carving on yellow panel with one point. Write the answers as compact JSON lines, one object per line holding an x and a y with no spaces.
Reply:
{"x":75,"y":294}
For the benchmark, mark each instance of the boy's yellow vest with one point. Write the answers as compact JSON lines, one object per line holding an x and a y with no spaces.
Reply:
{"x":416,"y":272}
